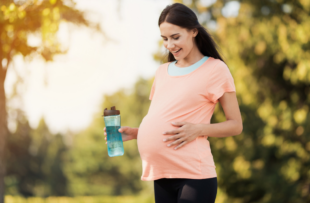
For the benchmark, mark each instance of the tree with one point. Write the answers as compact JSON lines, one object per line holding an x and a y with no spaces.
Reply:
{"x":89,"y":169}
{"x":35,"y":159}
{"x":18,"y":19}
{"x":266,"y":46}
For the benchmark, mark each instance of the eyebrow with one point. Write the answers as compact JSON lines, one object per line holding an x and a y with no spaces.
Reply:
{"x":171,"y":35}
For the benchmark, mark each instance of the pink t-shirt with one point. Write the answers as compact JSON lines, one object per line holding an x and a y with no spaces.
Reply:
{"x":191,"y":98}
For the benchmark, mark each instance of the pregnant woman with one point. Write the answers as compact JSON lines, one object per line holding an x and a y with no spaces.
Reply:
{"x":173,"y":137}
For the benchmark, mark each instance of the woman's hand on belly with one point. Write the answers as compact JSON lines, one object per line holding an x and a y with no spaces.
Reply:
{"x":186,"y":133}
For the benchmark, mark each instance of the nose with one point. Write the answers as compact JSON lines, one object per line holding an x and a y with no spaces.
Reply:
{"x":170,"y":44}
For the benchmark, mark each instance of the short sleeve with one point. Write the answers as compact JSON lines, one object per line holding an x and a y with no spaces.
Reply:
{"x":152,"y":89}
{"x":220,"y":81}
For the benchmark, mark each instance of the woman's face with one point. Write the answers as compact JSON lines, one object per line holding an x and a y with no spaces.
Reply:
{"x":177,"y":40}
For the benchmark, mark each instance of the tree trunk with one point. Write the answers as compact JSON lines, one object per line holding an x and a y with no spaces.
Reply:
{"x":3,"y":132}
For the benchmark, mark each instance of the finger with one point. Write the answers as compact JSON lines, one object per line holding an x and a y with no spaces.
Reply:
{"x":180,"y":145}
{"x":105,"y":133}
{"x":106,"y":142}
{"x":104,"y":128}
{"x":172,"y":132}
{"x":176,"y":142}
{"x":173,"y":137}
{"x":121,"y":130}
{"x":105,"y":138}
{"x":178,"y":123}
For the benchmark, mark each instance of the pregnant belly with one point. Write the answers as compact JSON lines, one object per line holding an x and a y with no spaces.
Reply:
{"x":152,"y":148}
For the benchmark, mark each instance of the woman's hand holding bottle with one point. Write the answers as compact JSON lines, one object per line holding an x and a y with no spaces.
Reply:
{"x":128,"y":133}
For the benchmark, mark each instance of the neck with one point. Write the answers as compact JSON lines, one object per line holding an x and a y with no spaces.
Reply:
{"x":194,"y":56}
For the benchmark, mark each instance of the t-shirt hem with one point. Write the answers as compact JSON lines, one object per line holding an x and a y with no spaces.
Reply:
{"x":150,"y":178}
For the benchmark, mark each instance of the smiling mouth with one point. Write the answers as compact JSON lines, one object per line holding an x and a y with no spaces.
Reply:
{"x":177,"y":51}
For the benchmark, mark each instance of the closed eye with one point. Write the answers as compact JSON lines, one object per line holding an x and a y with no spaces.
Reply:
{"x":172,"y":38}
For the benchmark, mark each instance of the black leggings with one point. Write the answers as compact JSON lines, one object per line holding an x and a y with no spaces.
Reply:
{"x":182,"y":190}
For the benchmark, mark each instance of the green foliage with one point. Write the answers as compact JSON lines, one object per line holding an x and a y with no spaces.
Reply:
{"x":90,"y":170}
{"x":40,"y":172}
{"x":267,"y":50}
{"x":18,"y":19}
{"x":35,"y":158}
{"x":81,"y":199}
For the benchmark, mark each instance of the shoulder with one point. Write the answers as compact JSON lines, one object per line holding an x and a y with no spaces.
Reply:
{"x":219,"y":66}
{"x":164,"y":65}
{"x":219,"y":63}
{"x":162,"y":68}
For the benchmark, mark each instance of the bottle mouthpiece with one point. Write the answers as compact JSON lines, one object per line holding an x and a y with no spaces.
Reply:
{"x":111,"y":112}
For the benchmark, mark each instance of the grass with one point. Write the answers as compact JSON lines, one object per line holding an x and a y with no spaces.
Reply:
{"x":82,"y":199}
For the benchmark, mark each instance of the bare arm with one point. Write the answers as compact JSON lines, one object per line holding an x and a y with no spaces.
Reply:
{"x":135,"y":130}
{"x":233,"y":124}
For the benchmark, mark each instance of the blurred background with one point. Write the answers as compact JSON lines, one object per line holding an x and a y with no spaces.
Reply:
{"x":63,"y":61}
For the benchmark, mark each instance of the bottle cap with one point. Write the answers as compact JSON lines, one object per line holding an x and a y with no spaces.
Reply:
{"x":111,"y":112}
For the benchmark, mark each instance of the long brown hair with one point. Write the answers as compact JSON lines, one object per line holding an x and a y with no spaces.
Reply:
{"x":182,"y":16}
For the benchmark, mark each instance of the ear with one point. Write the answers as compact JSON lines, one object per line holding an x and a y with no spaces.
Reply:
{"x":195,"y":32}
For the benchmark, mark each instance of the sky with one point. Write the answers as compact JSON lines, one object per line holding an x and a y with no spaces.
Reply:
{"x":68,"y":92}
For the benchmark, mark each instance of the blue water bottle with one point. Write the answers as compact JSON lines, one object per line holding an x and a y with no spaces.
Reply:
{"x":112,"y":120}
